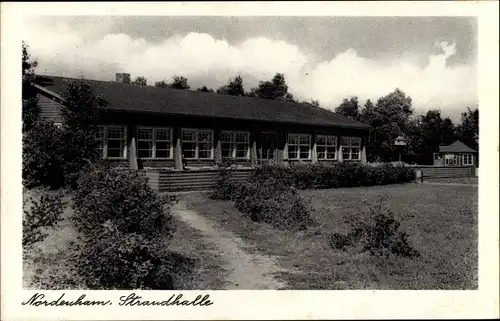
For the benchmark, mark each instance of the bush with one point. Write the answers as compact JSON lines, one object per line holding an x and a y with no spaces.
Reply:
{"x":122,"y":196}
{"x":42,"y":214}
{"x":273,"y":202}
{"x":380,"y":236}
{"x":42,"y":161}
{"x":225,"y":188}
{"x":314,"y":176}
{"x":117,"y":260}
{"x":125,"y":227}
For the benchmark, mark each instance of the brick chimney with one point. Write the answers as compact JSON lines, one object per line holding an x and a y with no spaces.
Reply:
{"x":123,"y":78}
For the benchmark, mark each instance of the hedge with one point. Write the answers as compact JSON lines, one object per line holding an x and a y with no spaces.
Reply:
{"x":317,"y":176}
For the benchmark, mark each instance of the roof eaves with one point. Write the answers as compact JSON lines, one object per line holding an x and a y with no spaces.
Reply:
{"x":49,"y":92}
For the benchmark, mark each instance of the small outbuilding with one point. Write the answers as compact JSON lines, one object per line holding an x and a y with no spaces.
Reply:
{"x":456,"y":154}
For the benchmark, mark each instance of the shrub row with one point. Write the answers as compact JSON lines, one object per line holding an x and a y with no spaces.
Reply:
{"x":316,"y":176}
{"x":126,"y":227}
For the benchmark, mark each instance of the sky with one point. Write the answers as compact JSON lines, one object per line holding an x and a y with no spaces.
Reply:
{"x":432,"y":59}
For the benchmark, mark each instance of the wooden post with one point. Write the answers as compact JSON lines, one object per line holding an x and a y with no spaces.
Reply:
{"x":218,"y":147}
{"x":178,"y":148}
{"x":253,"y":153}
{"x":133,"y":149}
{"x":363,"y":152}
{"x":340,"y":157}
{"x":314,"y":156}
{"x":133,"y":155}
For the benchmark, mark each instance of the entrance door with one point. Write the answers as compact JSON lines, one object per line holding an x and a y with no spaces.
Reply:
{"x":269,"y":144}
{"x":450,"y":159}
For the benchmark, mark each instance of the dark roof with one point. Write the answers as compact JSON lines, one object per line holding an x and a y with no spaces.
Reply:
{"x":456,"y":147}
{"x":133,"y":98}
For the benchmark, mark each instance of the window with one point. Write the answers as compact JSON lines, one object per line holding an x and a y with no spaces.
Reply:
{"x":112,"y":141}
{"x":299,"y":146}
{"x":326,"y":147}
{"x":235,"y":144}
{"x":197,"y":143}
{"x":350,"y":148}
{"x":437,"y":156}
{"x":154,"y":142}
{"x":467,"y":159}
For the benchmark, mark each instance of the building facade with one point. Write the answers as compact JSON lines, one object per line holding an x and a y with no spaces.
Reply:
{"x":146,"y":127}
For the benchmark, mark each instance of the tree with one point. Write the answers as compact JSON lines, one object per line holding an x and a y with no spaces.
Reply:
{"x":140,"y":81}
{"x":431,"y":132}
{"x":234,"y":87}
{"x":468,"y":129}
{"x":30,"y":108}
{"x":349,"y":108}
{"x":80,"y":118}
{"x":315,"y":102}
{"x":161,"y":84}
{"x":274,"y":89}
{"x":205,"y":89}
{"x":179,"y":82}
{"x":289,"y":97}
{"x":389,"y":119}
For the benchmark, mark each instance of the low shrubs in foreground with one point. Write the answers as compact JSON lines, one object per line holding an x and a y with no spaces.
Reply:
{"x":268,"y":201}
{"x":316,"y":176}
{"x":125,"y":228}
{"x":380,"y":236}
{"x":273,"y":202}
{"x":42,"y":214}
{"x":225,"y":188}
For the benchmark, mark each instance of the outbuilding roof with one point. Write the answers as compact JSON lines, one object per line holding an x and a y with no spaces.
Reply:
{"x":456,"y":147}
{"x":149,"y":99}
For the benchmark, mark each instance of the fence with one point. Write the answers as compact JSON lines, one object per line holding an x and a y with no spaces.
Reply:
{"x":444,"y":171}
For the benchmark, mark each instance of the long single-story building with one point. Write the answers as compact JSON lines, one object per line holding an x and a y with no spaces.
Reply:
{"x":147,"y":127}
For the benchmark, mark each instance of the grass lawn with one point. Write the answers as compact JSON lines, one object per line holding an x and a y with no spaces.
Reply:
{"x":440,"y":220}
{"x":49,"y":264}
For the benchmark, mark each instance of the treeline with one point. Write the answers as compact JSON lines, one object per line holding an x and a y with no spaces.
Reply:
{"x":393,"y":115}
{"x":275,"y":88}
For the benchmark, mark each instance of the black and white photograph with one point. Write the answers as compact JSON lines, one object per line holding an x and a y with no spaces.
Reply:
{"x":236,"y":152}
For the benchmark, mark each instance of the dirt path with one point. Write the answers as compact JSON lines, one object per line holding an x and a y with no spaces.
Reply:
{"x":246,"y":271}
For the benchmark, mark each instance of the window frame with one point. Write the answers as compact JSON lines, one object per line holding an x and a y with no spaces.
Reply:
{"x":105,"y":140}
{"x":197,"y":143}
{"x":299,"y":144}
{"x":467,"y":156}
{"x":234,"y":143}
{"x":335,"y":139}
{"x":350,"y":147}
{"x":154,"y":140}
